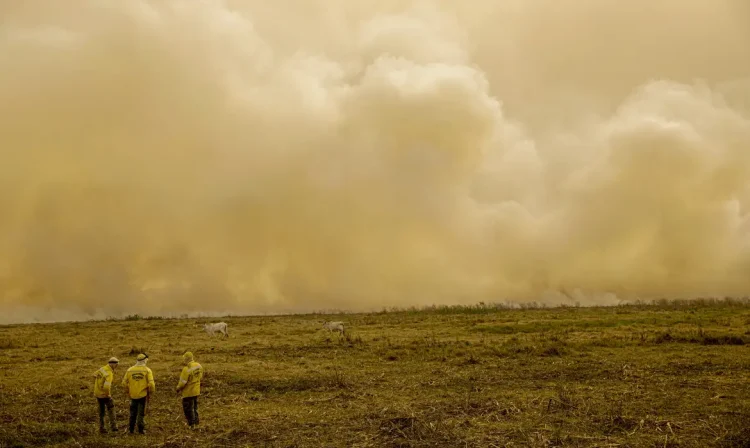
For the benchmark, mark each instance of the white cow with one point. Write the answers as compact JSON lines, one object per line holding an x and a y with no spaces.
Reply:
{"x":221,"y":327}
{"x":334,"y":326}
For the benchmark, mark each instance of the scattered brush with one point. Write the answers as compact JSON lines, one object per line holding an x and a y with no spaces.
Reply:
{"x":7,"y":343}
{"x":698,"y":338}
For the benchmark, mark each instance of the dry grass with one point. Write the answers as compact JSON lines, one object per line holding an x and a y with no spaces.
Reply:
{"x":671,"y":374}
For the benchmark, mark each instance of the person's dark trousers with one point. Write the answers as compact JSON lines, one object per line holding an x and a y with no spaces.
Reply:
{"x":190,"y":408}
{"x":109,"y":405}
{"x":137,"y":412}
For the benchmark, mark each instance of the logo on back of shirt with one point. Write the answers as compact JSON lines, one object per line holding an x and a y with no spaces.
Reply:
{"x":139,"y":376}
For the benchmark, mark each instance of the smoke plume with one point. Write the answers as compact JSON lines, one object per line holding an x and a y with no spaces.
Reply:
{"x":246,"y":156}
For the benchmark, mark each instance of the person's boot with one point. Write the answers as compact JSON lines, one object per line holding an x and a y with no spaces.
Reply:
{"x":102,"y":430}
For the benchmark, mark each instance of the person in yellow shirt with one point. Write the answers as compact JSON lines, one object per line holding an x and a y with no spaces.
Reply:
{"x":139,"y":385}
{"x":103,"y":379}
{"x":190,"y":385}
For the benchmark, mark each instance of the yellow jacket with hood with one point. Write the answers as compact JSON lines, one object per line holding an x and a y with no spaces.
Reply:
{"x":139,"y":380}
{"x":103,"y":379}
{"x":190,"y":377}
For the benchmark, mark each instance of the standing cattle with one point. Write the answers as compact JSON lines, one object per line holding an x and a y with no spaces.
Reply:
{"x":221,"y":327}
{"x":334,"y":326}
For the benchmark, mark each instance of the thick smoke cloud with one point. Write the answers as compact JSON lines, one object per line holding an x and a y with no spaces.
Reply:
{"x":168,"y":157}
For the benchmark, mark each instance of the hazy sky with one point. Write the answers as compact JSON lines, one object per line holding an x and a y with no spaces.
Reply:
{"x":170,"y":156}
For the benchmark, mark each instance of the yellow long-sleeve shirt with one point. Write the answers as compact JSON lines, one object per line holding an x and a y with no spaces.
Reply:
{"x":190,"y":380}
{"x":140,"y":381}
{"x":103,"y":379}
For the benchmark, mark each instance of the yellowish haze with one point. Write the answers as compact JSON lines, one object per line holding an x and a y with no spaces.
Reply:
{"x":206,"y":156}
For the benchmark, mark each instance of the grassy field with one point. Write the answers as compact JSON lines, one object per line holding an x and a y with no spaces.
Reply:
{"x":670,"y":374}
